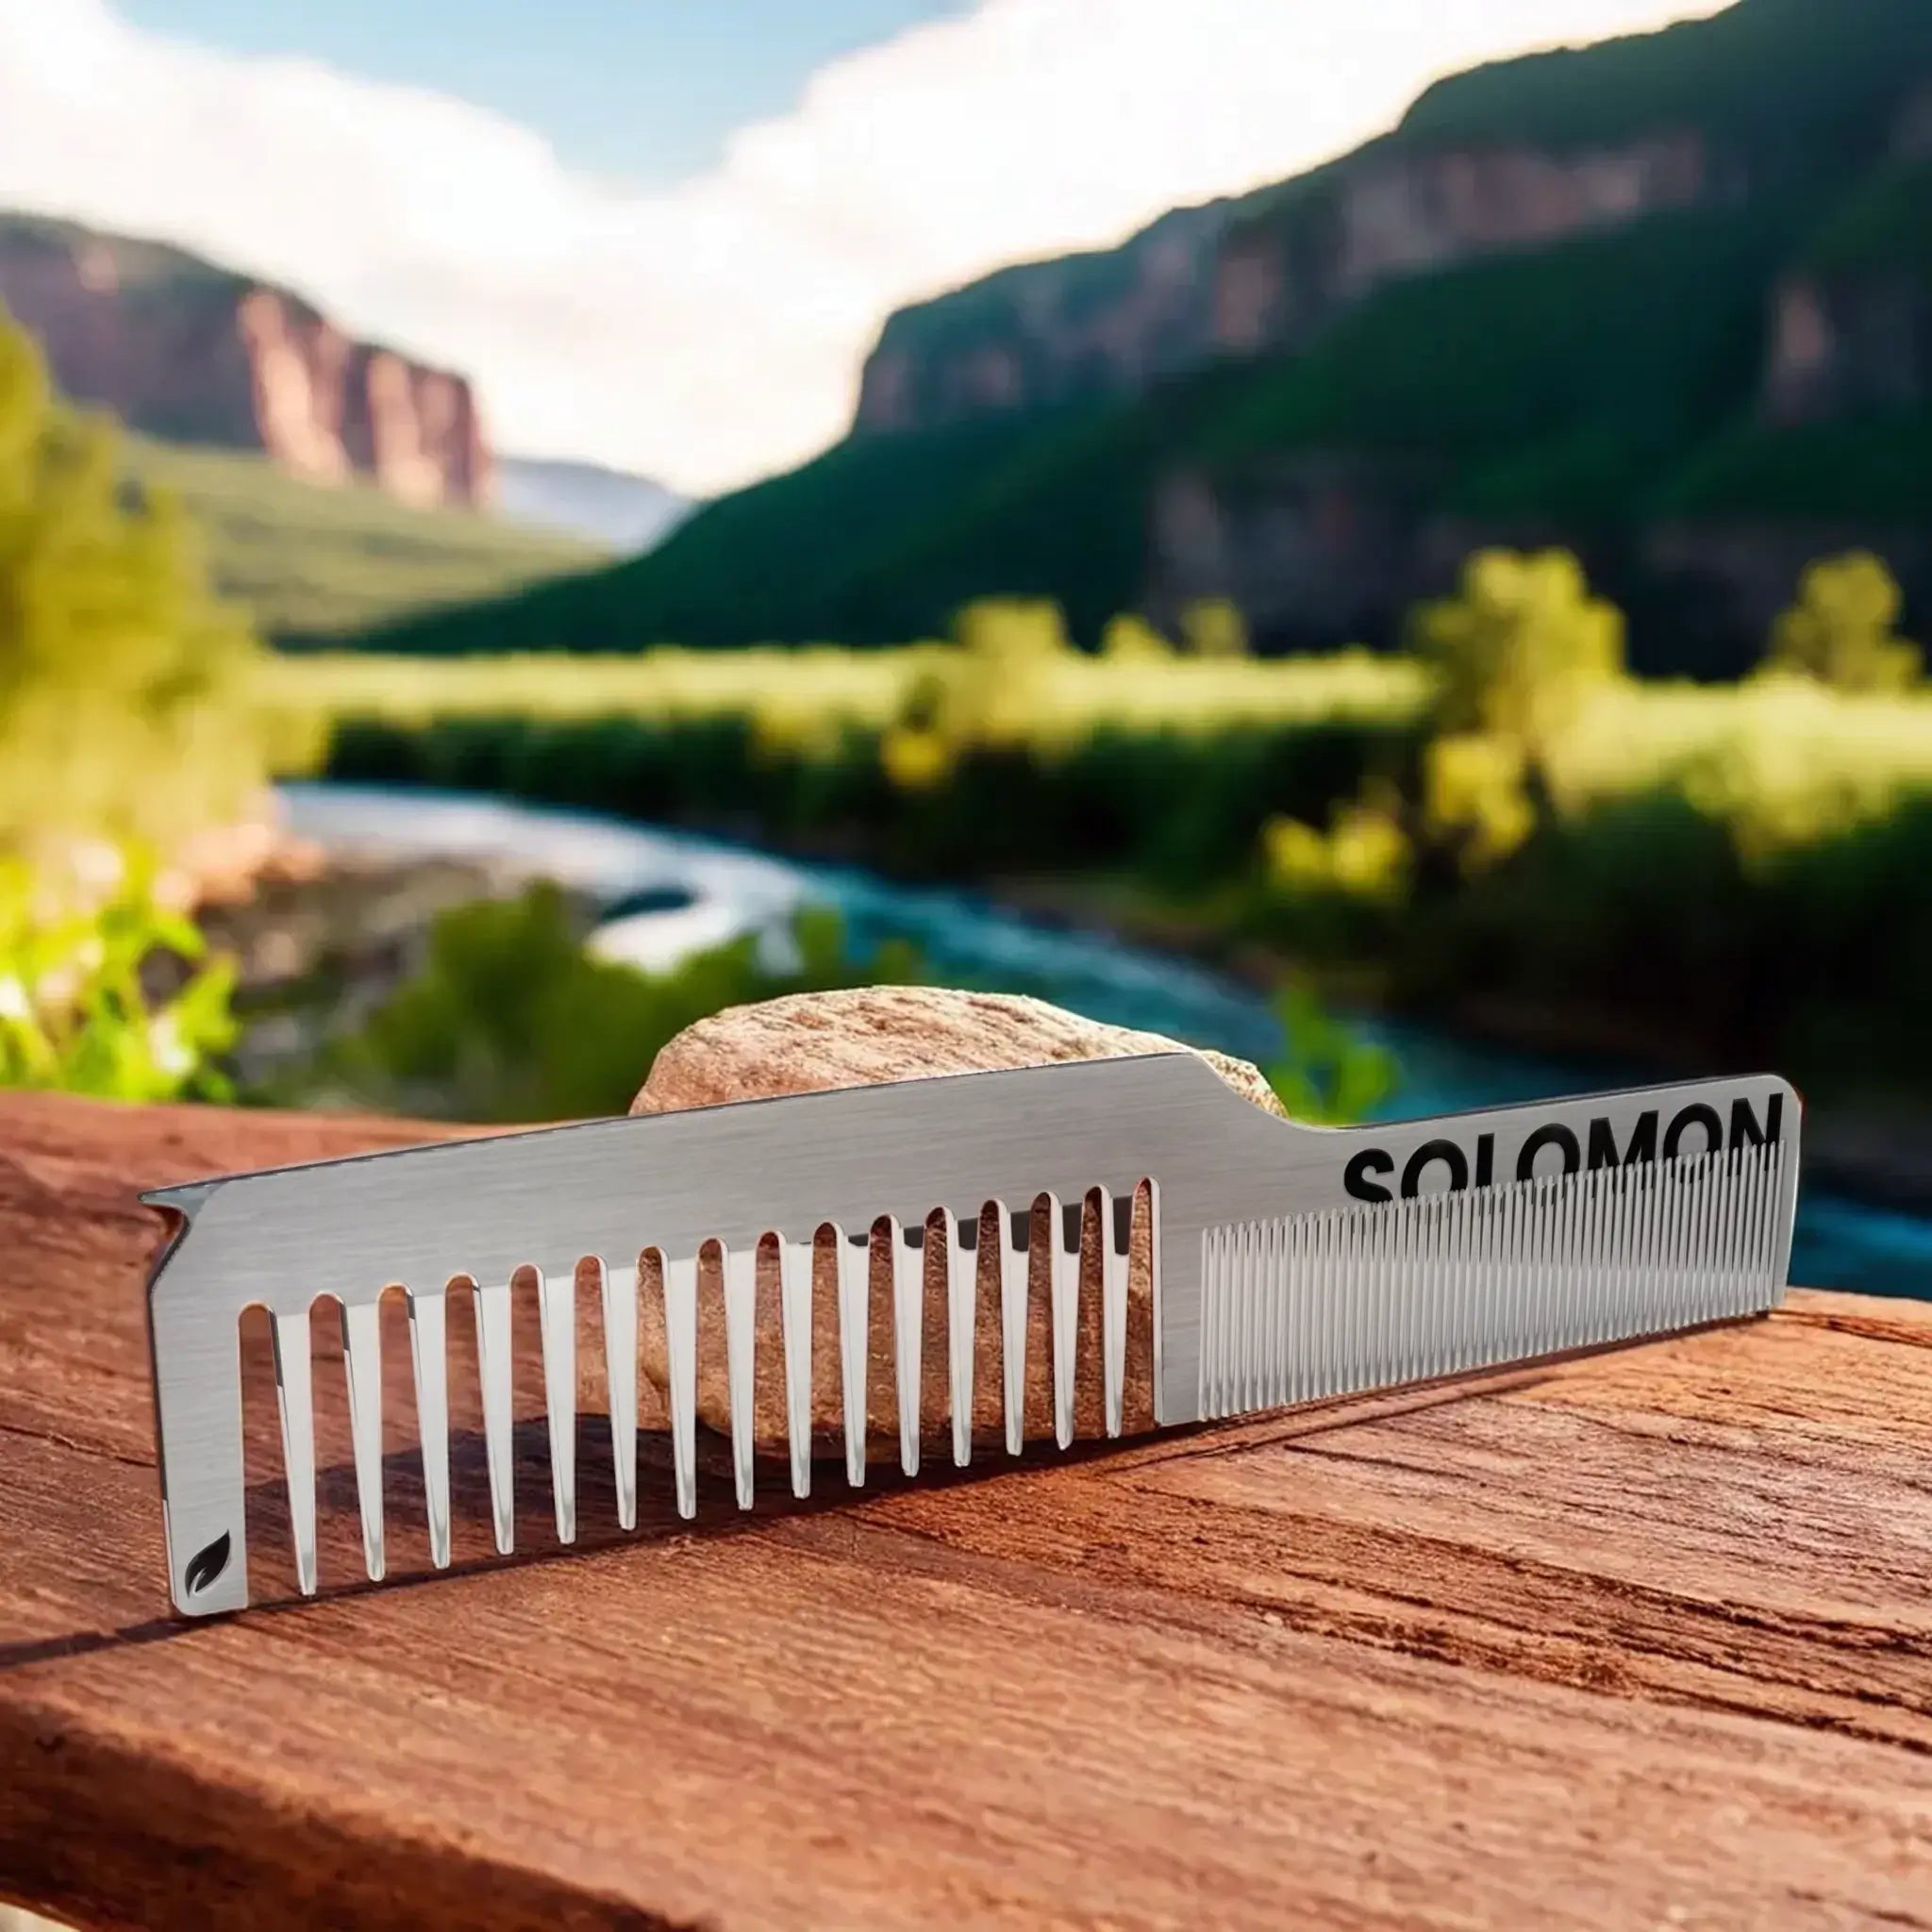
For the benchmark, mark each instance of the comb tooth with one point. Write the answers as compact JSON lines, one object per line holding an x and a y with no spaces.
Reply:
{"x":1155,"y":1294}
{"x":681,"y":1351}
{"x":618,"y":1291}
{"x":1013,"y":1246}
{"x":362,"y":1360}
{"x":740,"y":1320}
{"x":962,"y":1292}
{"x":795,"y":1315}
{"x":854,"y":1302}
{"x":1065,"y":1287}
{"x":909,"y":1322}
{"x":1116,"y":1226}
{"x":557,"y":1321}
{"x":495,"y":1368}
{"x":431,"y":1360}
{"x":293,"y":1400}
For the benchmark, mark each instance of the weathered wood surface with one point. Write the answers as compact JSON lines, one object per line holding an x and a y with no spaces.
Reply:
{"x":1641,"y":1640}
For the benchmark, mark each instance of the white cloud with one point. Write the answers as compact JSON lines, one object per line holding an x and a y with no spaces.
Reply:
{"x":714,"y":330}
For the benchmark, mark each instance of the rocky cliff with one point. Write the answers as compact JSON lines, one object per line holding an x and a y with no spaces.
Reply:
{"x":1263,"y":273}
{"x":188,"y":352}
{"x":1662,"y":299}
{"x":1852,"y":322}
{"x":1047,"y":332}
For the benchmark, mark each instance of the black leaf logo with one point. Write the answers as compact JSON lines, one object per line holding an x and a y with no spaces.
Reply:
{"x":206,"y":1565}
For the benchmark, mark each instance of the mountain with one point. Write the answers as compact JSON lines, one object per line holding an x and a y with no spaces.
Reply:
{"x":612,"y":507}
{"x":186,"y":351}
{"x":1667,"y":299}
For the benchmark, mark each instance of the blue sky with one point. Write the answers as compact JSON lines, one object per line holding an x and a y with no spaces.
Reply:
{"x":644,"y":89}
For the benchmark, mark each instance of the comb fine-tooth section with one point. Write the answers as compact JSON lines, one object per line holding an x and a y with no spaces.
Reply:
{"x":1320,"y":1304}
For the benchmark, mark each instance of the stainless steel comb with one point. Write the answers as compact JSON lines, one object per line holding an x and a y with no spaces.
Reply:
{"x":1289,"y":1263}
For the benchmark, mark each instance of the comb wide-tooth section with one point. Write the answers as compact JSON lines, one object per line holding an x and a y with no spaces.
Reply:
{"x":618,"y":1295}
{"x":794,"y":1320}
{"x":295,"y":1403}
{"x":496,"y":1370}
{"x":1014,"y":1261}
{"x":740,"y":1336}
{"x":363,"y":1363}
{"x":854,"y":1308}
{"x":1325,"y":1304}
{"x":681,"y":1367}
{"x":429,"y":1360}
{"x":556,"y":1318}
{"x":1064,"y":1252}
{"x":908,"y":1331}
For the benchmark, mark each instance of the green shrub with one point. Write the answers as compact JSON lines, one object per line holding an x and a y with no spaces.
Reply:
{"x":509,"y":1019}
{"x":79,"y":1010}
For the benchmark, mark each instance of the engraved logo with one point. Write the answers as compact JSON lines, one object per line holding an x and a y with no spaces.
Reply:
{"x":206,"y":1565}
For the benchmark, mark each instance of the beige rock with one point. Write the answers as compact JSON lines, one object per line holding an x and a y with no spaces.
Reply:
{"x":813,"y":1042}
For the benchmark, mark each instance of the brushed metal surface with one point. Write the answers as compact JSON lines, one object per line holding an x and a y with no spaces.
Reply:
{"x":479,"y":1210}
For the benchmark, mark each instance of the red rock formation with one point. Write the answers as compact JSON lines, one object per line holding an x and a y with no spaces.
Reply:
{"x":191,"y":353}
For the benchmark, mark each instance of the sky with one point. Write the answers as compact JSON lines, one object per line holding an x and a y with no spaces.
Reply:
{"x":662,"y":234}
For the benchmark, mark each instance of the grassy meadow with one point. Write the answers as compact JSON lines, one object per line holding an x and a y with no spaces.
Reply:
{"x":1732,"y":873}
{"x":309,"y":560}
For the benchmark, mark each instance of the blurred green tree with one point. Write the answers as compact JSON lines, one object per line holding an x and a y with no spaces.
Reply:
{"x":1519,"y":646}
{"x":1130,"y":639}
{"x":508,"y":1018}
{"x":1215,"y":627}
{"x":1843,"y":629}
{"x":126,"y":707}
{"x":1326,"y":1076}
{"x":80,"y":1011}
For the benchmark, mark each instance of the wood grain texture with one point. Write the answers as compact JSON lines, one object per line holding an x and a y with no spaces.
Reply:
{"x":1641,"y":1640}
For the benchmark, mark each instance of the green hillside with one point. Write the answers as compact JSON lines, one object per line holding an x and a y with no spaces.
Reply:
{"x":315,"y":562}
{"x":1797,"y":82}
{"x":1593,"y":386}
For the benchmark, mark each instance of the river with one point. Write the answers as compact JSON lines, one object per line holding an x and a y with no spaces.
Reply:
{"x":1840,"y":1243}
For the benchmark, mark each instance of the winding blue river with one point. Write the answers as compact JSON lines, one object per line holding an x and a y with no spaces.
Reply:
{"x":1840,"y":1243}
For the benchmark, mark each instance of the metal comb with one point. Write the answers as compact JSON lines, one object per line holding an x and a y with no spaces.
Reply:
{"x":1289,"y":1263}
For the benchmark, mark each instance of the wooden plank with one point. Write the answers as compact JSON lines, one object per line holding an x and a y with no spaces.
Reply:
{"x":1643,"y":1639}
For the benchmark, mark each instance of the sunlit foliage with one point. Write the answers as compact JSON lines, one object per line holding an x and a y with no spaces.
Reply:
{"x":508,"y":1018}
{"x":79,"y":1007}
{"x":1520,"y":647}
{"x":126,"y":706}
{"x":1843,"y":629}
